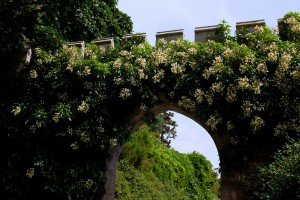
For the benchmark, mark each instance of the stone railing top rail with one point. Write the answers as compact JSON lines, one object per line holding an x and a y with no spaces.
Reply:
{"x":251,"y":23}
{"x":204,"y":28}
{"x":131,"y":35}
{"x":170,"y":32}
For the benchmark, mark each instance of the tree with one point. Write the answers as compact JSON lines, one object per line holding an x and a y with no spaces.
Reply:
{"x":49,"y":23}
{"x":165,"y":126}
{"x":281,"y":178}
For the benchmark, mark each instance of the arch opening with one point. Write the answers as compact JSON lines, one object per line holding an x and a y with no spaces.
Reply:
{"x":208,"y":164}
{"x":191,"y":136}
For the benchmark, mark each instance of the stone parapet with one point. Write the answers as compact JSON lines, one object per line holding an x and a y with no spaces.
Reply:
{"x":248,"y":26}
{"x":169,"y":35}
{"x":105,"y":43}
{"x":205,"y":33}
{"x":79,"y":44}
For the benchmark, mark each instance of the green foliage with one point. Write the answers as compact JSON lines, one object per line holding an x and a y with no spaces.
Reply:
{"x":204,"y":173}
{"x":190,"y":174}
{"x":136,"y":184}
{"x":166,"y":127}
{"x":222,"y":33}
{"x":50,"y":23}
{"x":281,"y":178}
{"x":290,"y":27}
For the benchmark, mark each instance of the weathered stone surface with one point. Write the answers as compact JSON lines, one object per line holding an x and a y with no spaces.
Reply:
{"x":248,"y":25}
{"x":104,"y":43}
{"x":205,"y":33}
{"x":169,"y":35}
{"x":79,"y":44}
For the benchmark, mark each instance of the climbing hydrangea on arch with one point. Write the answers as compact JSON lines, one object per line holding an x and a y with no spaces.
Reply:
{"x":242,"y":88}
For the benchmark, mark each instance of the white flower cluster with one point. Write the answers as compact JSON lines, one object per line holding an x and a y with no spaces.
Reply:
{"x":213,"y":121}
{"x":84,"y":107}
{"x":177,"y":68}
{"x":33,"y":74}
{"x":125,"y":93}
{"x":159,"y":57}
{"x":256,"y":123}
{"x":158,"y":76}
{"x":16,"y":110}
{"x":199,"y":95}
{"x":187,"y":103}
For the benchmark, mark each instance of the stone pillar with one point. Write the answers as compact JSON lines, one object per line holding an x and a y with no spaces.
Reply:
{"x":111,"y":172}
{"x":169,"y":35}
{"x":105,"y":43}
{"x":248,"y":26}
{"x":280,"y":26}
{"x":131,"y":40}
{"x":79,"y":44}
{"x":205,"y":33}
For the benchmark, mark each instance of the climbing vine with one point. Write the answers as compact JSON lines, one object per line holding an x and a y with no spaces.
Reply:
{"x":73,"y":107}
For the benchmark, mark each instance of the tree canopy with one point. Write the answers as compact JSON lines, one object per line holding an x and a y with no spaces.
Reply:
{"x":48,"y":24}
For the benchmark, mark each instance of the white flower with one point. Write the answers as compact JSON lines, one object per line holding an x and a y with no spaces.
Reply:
{"x":199,"y":95}
{"x":33,"y":74}
{"x":177,"y":68}
{"x":227,"y":52}
{"x":213,"y":121}
{"x":56,"y":117}
{"x":229,"y":126}
{"x":74,"y":146}
{"x":243,"y":83}
{"x":87,"y":70}
{"x":261,"y":67}
{"x":143,"y":107}
{"x":125,"y":93}
{"x":256,"y":123}
{"x":291,"y":20}
{"x":88,"y":183}
{"x":258,"y":29}
{"x":84,"y":137}
{"x":117,"y":63}
{"x":30,"y":172}
{"x":192,"y":51}
{"x":84,"y":107}
{"x":272,"y":56}
{"x":16,"y":110}
{"x":158,"y":76}
{"x":142,"y":62}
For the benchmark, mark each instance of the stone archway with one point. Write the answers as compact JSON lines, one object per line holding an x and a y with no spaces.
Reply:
{"x":241,"y":94}
{"x":233,"y":183}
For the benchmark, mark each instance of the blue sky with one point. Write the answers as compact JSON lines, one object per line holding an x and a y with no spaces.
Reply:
{"x":162,"y":15}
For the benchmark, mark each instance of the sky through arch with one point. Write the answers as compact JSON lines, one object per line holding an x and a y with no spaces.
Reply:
{"x":191,"y":136}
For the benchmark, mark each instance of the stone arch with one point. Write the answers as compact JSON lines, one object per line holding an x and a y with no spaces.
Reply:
{"x":230,"y":185}
{"x":219,"y":79}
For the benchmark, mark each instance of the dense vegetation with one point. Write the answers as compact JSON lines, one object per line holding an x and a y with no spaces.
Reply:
{"x":61,"y":114}
{"x":48,"y":24}
{"x":150,"y":170}
{"x":281,"y":178}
